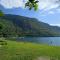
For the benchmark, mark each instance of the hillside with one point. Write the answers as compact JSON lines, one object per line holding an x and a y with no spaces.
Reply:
{"x":14,"y":25}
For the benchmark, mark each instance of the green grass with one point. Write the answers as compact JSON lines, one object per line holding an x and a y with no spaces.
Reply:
{"x":27,"y":51}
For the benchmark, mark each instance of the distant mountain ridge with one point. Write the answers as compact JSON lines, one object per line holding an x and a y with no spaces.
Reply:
{"x":14,"y":25}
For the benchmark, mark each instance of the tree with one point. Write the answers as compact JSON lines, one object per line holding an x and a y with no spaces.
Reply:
{"x":1,"y":13}
{"x":1,"y":27}
{"x":32,"y":4}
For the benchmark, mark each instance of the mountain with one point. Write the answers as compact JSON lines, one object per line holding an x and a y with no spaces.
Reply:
{"x":14,"y":25}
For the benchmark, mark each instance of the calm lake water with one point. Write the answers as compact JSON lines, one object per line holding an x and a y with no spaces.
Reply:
{"x":42,"y":40}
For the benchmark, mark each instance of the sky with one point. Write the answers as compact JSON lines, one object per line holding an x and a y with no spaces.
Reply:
{"x":48,"y":10}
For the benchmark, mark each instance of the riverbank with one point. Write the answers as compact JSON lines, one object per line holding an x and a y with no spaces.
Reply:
{"x":13,"y":50}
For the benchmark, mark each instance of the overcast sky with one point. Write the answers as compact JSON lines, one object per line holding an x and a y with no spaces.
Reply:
{"x":49,"y":10}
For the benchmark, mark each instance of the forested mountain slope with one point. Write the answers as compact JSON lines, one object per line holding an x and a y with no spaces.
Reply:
{"x":14,"y":25}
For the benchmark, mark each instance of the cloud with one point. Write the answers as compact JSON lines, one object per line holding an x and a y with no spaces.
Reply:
{"x":55,"y":25}
{"x":58,"y":10}
{"x":51,"y":12}
{"x":12,"y":3}
{"x":48,"y":4}
{"x":43,"y":4}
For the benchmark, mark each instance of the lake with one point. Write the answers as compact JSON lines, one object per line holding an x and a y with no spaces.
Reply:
{"x":42,"y":40}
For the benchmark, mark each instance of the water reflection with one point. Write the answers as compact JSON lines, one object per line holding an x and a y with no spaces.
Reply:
{"x":42,"y":40}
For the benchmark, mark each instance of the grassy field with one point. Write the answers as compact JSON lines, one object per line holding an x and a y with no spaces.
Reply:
{"x":13,"y":50}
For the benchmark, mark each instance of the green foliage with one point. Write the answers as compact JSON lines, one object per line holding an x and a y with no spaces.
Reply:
{"x":35,"y":7}
{"x":1,"y":13}
{"x":32,"y":4}
{"x":1,"y":26}
{"x":6,"y":28}
{"x":31,"y":1}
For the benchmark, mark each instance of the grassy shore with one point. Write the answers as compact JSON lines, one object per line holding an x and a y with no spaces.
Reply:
{"x":27,"y":51}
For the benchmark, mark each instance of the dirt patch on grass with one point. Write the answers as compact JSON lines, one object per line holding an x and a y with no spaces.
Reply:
{"x":43,"y":58}
{"x":46,"y":58}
